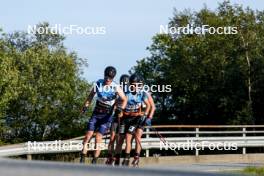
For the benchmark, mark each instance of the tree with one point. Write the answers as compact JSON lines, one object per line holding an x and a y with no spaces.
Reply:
{"x":8,"y":81}
{"x":43,"y":88}
{"x":216,"y":79}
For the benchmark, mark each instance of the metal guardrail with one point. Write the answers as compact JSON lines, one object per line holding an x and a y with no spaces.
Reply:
{"x":174,"y":137}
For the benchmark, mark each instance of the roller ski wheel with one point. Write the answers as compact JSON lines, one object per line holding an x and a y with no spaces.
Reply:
{"x":135,"y":162}
{"x":116,"y":162}
{"x":109,"y":161}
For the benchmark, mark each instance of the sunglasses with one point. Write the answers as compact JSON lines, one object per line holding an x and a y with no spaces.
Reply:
{"x":107,"y":78}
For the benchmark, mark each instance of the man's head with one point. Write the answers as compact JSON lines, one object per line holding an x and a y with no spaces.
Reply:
{"x":136,"y":82}
{"x":109,"y":74}
{"x":124,"y":82}
{"x":124,"y":79}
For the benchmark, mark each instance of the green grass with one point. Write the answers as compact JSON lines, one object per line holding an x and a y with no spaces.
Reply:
{"x":257,"y":171}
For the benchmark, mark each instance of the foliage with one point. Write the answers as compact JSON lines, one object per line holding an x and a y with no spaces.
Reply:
{"x":41,"y":88}
{"x":257,"y":171}
{"x":215,"y":79}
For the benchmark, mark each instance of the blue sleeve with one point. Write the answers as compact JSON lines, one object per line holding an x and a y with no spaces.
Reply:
{"x":144,"y":96}
{"x":99,"y":85}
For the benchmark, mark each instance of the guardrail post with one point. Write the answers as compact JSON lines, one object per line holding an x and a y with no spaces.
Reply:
{"x":29,"y":157}
{"x":244,"y":136}
{"x":147,"y":136}
{"x":197,"y":136}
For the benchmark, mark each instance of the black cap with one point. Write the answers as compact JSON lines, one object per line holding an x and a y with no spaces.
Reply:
{"x":110,"y":72}
{"x":135,"y":78}
{"x":124,"y":79}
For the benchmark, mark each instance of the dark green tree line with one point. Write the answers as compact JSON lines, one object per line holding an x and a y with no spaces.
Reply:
{"x":216,"y":79}
{"x":41,"y":88}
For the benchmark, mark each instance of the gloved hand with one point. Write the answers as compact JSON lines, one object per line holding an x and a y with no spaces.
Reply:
{"x":142,"y":120}
{"x":148,"y":122}
{"x":84,"y":109}
{"x":118,"y":112}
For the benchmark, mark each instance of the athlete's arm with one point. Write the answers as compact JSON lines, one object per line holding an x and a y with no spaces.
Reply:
{"x":152,"y":106}
{"x":88,"y":100}
{"x":122,"y":97}
{"x":146,"y":101}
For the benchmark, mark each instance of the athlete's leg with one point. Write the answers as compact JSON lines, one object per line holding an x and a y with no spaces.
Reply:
{"x":119,"y":143}
{"x":111,"y":143}
{"x":120,"y":137}
{"x":128,"y":142}
{"x":90,"y":130}
{"x":138,"y":136}
{"x":127,"y":149}
{"x":88,"y":135}
{"x":118,"y":150}
{"x":98,"y":144}
{"x":86,"y":140}
{"x":104,"y":126}
{"x":129,"y":131}
{"x":111,"y":146}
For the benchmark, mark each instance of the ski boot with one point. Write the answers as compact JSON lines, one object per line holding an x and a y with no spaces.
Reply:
{"x":116,"y":161}
{"x":109,"y":160}
{"x":82,"y":158}
{"x":125,"y":162}
{"x":94,"y":161}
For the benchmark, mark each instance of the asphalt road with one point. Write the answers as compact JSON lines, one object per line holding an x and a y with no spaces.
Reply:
{"x":10,"y":167}
{"x":208,"y":167}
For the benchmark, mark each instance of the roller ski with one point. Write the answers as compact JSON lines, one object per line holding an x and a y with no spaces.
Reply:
{"x":135,"y":162}
{"x":125,"y":162}
{"x":82,"y":158}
